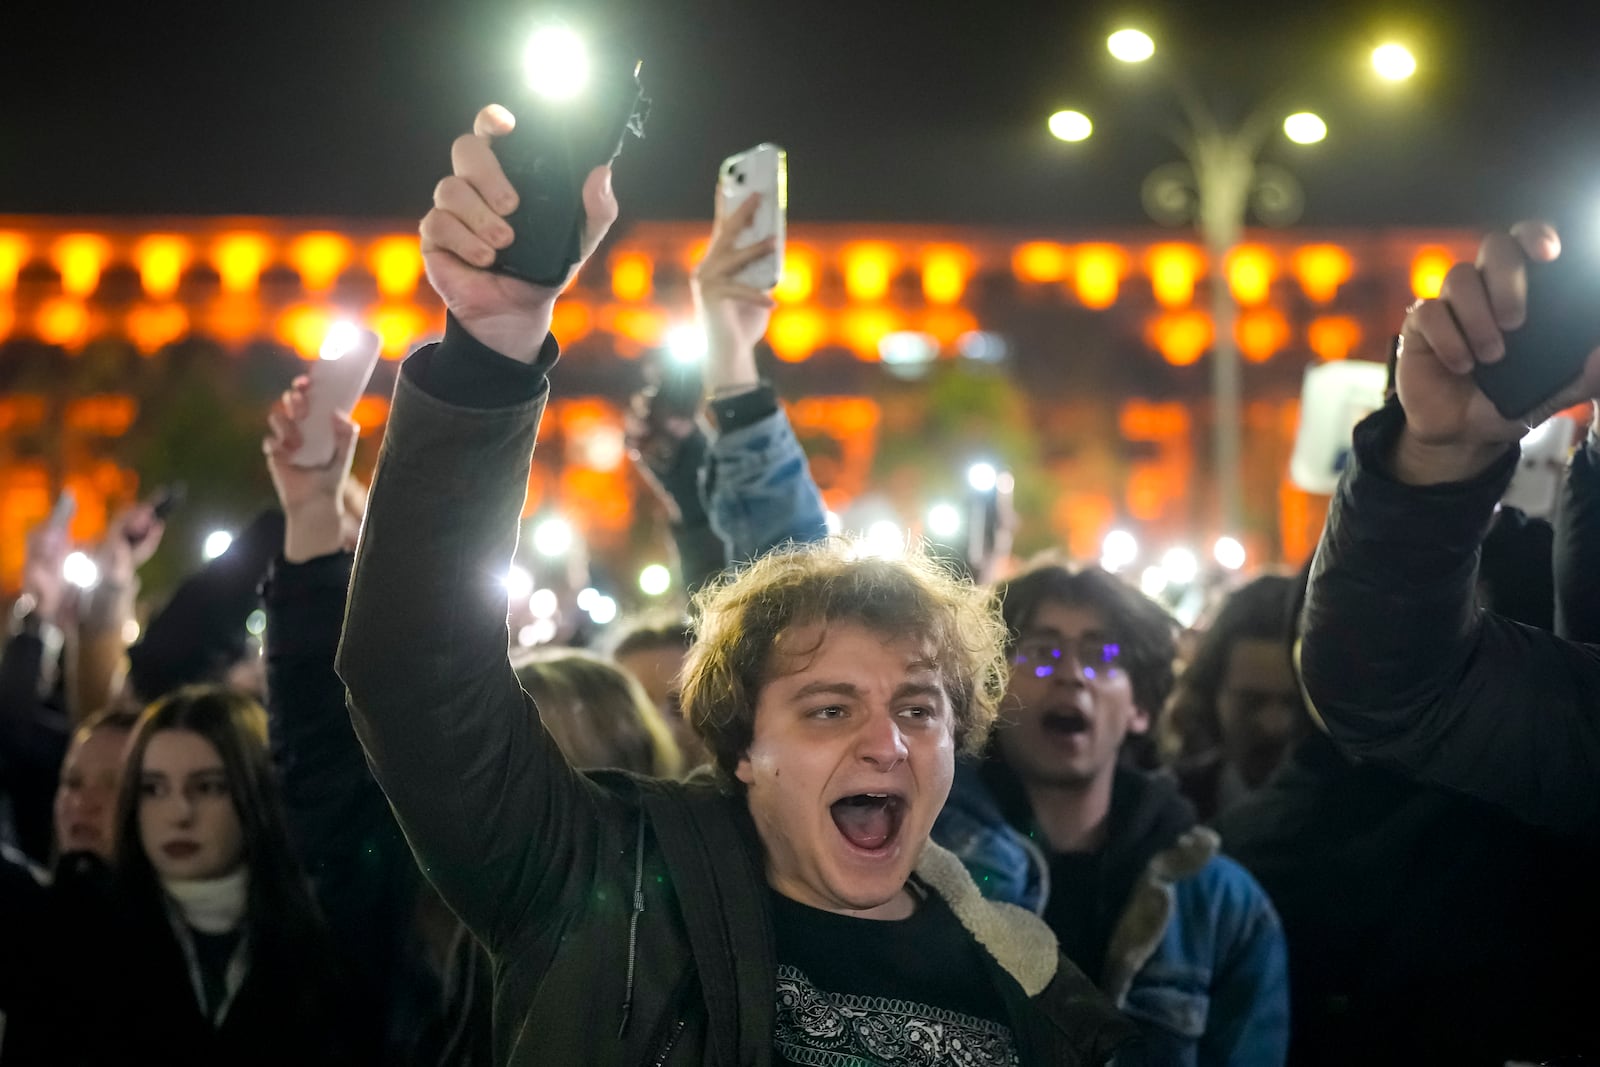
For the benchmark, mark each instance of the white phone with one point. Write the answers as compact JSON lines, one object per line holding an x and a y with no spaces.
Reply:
{"x":338,"y":379}
{"x":763,"y":169}
{"x":1536,"y":487}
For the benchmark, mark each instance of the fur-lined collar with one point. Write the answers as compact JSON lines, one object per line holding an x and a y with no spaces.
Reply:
{"x":1144,"y":920}
{"x":1018,"y":940}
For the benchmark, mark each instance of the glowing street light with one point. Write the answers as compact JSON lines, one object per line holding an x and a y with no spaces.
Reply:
{"x":544,"y":604}
{"x":944,"y":520}
{"x":587,"y":597}
{"x":1229,"y":553}
{"x":982,"y":477}
{"x":216,"y":543}
{"x":79,"y":570}
{"x":1131,"y":46}
{"x":1071,"y":126}
{"x":552,"y":537}
{"x":556,"y":63}
{"x":1393,"y":62}
{"x":655,"y":580}
{"x":1180,"y":566}
{"x":1153,"y":582}
{"x":1119,"y":549}
{"x":603,"y":610}
{"x":1304,"y":127}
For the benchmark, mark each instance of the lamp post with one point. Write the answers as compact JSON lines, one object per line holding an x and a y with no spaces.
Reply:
{"x":1218,"y":183}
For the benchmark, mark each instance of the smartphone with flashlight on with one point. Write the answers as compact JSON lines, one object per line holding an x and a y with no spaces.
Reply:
{"x":349,"y":354}
{"x":1547,"y":353}
{"x":575,"y":118}
{"x":763,"y":170}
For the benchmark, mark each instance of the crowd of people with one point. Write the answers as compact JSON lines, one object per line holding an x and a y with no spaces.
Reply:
{"x":851,"y":808}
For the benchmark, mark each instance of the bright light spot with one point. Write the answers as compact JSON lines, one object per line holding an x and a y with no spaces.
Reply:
{"x":1393,"y":62}
{"x":256,"y":623}
{"x":907,"y":347}
{"x":556,"y":63}
{"x":1153,"y":581}
{"x":1118,"y":550}
{"x":655,"y":580}
{"x":1229,"y":553}
{"x":1537,"y":434}
{"x":130,"y":631}
{"x":216,"y":543}
{"x":1070,"y":126}
{"x":833,"y":523}
{"x":1131,"y":46}
{"x":686,"y":343}
{"x":603,"y":448}
{"x":525,"y":636}
{"x":80,"y":570}
{"x":340,"y":339}
{"x":1180,"y":566}
{"x":587,"y":598}
{"x":543,"y":603}
{"x":1005,"y":484}
{"x":883,"y":540}
{"x":518,"y":583}
{"x":544,"y":631}
{"x":552,"y":537}
{"x":944,"y":520}
{"x":603,"y":610}
{"x":1304,"y":128}
{"x":982,"y":346}
{"x":982,"y":477}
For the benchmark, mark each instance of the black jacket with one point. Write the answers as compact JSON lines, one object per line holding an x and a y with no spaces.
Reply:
{"x":361,"y":869}
{"x":1406,"y":671}
{"x":627,"y":917}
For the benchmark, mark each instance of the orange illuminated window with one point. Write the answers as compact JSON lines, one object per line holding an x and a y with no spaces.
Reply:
{"x":1428,"y":269}
{"x":1173,"y":268}
{"x":303,"y":328}
{"x":8,"y":318}
{"x":319,"y":259}
{"x":62,"y":321}
{"x":795,"y":333}
{"x":632,"y":275}
{"x":1260,"y":333}
{"x":104,"y":414}
{"x":600,"y":498}
{"x":154,"y":326}
{"x":1321,"y":270}
{"x":370,"y":413}
{"x":80,"y":257}
{"x":396,"y":264}
{"x":945,"y":271}
{"x":862,"y":329}
{"x":643,"y":326}
{"x":1097,"y":272}
{"x":1157,"y":486}
{"x":13,"y":254}
{"x":799,"y":275}
{"x":161,"y":259}
{"x":239,"y":259}
{"x":1040,"y":262}
{"x":401,"y":327}
{"x":1250,"y":270}
{"x":572,"y":321}
{"x":1181,"y":337}
{"x":868,"y":269}
{"x":947,"y":324}
{"x":1332,"y":337}
{"x":234,"y":319}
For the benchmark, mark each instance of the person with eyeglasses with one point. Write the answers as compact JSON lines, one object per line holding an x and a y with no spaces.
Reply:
{"x":1060,"y":817}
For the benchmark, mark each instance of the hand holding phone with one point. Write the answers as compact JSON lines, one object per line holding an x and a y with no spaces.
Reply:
{"x":1548,"y":352}
{"x":762,"y":170}
{"x":337,"y":381}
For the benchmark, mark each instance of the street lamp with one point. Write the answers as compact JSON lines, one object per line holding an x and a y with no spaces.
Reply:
{"x":1219,"y":182}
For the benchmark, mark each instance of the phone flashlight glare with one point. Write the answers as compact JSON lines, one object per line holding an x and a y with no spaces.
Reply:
{"x":339,"y":340}
{"x":556,"y":63}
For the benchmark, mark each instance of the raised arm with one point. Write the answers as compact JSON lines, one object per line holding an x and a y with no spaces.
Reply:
{"x":1577,"y":545}
{"x":1396,"y":657}
{"x":756,"y":479}
{"x":498,"y":820}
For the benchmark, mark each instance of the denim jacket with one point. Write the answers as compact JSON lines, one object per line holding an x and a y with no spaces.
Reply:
{"x":1198,"y":956}
{"x":759,"y":490}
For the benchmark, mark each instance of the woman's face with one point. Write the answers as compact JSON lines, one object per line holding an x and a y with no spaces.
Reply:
{"x":187,"y":822}
{"x":86,"y":798}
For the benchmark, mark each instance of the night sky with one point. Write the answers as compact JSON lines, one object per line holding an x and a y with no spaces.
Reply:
{"x":890,"y":110}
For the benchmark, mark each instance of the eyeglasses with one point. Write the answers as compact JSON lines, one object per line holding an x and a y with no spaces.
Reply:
{"x":1045,"y":655}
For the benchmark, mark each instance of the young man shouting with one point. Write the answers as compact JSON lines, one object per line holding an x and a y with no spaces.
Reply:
{"x":787,"y":908}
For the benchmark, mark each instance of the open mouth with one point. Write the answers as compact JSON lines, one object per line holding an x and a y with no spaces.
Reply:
{"x":869,"y":821}
{"x":1067,"y":722}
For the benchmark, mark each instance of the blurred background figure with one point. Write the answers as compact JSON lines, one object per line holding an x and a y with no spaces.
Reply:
{"x":599,"y":714}
{"x":653,"y":652}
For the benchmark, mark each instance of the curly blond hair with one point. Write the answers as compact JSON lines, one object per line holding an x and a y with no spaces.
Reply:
{"x":739,"y":620}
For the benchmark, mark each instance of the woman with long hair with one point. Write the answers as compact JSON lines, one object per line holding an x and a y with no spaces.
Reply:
{"x":226,"y":958}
